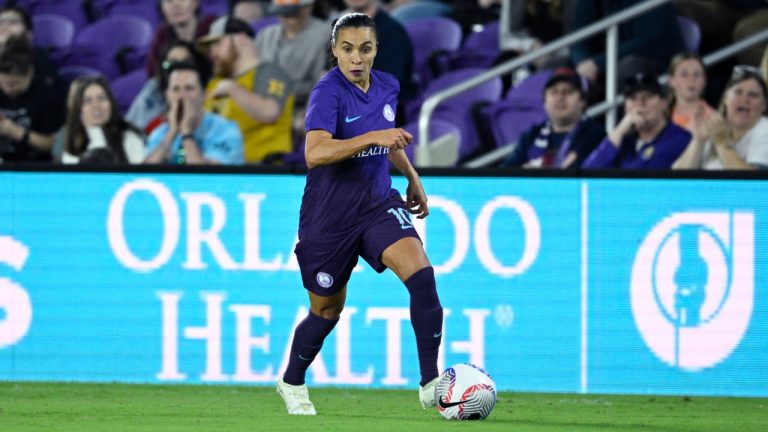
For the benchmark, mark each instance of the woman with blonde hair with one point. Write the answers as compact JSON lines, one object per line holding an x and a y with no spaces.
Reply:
{"x":736,"y":137}
{"x":94,"y":122}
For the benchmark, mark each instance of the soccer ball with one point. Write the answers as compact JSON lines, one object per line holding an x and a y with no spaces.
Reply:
{"x":465,"y":392}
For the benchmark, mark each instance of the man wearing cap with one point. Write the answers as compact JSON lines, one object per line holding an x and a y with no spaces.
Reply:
{"x":644,"y":138}
{"x":299,"y":44}
{"x":254,"y":93}
{"x":567,"y":137}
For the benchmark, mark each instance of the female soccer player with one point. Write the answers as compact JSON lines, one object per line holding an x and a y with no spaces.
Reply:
{"x":349,"y":208}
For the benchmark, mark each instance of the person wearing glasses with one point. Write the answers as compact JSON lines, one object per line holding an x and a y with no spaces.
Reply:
{"x":737,"y":136}
{"x":644,"y":138}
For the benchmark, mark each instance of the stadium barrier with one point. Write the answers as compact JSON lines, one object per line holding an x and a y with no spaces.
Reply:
{"x":596,"y":284}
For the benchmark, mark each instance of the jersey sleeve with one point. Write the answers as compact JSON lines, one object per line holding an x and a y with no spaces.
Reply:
{"x":272,"y":82}
{"x":322,"y":109}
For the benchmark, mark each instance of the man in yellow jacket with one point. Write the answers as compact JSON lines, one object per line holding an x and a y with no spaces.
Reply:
{"x":254,"y":94}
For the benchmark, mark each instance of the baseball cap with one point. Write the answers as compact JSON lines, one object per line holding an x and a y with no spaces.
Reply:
{"x":288,"y":7}
{"x":225,"y":26}
{"x":566,"y":75}
{"x":641,"y":81}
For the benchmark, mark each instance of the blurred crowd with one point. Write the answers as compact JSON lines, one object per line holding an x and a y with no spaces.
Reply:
{"x":228,"y":82}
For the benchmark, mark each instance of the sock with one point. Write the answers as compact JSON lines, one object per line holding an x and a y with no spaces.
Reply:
{"x":427,"y":320}
{"x":307,"y":341}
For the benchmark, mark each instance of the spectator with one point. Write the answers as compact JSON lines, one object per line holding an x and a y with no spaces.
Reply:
{"x":31,"y":109}
{"x":149,"y":106}
{"x":737,"y":136}
{"x":687,"y":80}
{"x":94,"y":122}
{"x":394,"y":53}
{"x":254,"y":93}
{"x":567,"y":137}
{"x":15,"y":21}
{"x":653,"y":36}
{"x":298,"y":45}
{"x":644,"y":138}
{"x":191,"y":135}
{"x":182,"y":21}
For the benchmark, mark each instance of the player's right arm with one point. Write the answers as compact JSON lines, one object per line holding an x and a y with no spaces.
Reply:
{"x":322,"y":149}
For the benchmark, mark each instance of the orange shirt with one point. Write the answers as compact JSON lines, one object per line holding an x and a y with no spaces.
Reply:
{"x":684,"y":119}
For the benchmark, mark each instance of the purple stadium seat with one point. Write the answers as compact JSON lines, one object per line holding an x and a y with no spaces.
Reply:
{"x":437,"y":129}
{"x":531,"y":90}
{"x":480,"y":48}
{"x":54,"y":33}
{"x":105,"y":44}
{"x":126,"y":87}
{"x":433,"y":39}
{"x":691,"y":33}
{"x":71,"y":9}
{"x":215,"y":8}
{"x":70,"y":73}
{"x":141,"y":8}
{"x":509,"y":119}
{"x":460,"y":109}
{"x":264,"y":22}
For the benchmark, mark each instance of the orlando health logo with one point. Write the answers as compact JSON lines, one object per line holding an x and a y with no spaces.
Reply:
{"x":692,"y":287}
{"x":15,"y":306}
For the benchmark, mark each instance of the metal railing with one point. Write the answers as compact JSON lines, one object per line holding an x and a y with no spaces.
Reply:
{"x":609,"y":25}
{"x":596,"y":110}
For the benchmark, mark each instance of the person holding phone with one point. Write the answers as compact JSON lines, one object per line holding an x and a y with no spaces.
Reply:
{"x":644,"y":138}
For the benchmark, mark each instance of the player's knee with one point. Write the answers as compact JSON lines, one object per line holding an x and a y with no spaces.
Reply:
{"x":327,"y":312}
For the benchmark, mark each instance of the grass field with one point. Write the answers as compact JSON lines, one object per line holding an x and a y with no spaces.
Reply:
{"x":123,"y":407}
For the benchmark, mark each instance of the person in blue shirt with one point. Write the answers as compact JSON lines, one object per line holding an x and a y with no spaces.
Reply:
{"x":349,"y":208}
{"x":190,"y":135}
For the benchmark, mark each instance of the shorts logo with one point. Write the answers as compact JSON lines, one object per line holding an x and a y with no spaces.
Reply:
{"x":388,"y":113}
{"x":324,"y":279}
{"x":692,"y":287}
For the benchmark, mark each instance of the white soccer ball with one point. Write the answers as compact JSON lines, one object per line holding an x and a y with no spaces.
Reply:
{"x":465,"y":392}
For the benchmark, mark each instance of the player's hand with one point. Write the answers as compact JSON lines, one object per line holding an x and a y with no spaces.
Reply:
{"x":417,"y":199}
{"x":393,"y":139}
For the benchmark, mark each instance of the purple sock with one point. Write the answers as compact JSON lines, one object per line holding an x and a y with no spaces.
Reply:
{"x":307,"y":341}
{"x":427,"y":320}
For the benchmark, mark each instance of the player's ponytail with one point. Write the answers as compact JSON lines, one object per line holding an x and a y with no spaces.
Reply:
{"x":355,"y":20}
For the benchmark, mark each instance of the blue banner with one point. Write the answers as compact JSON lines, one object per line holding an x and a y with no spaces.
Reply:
{"x":565,"y":285}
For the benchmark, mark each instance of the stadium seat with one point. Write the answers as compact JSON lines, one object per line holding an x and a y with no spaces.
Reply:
{"x":54,"y":33}
{"x":106,"y":45}
{"x":433,"y":39}
{"x":141,"y":8}
{"x":508,"y":119}
{"x":530,"y":91}
{"x":71,"y":9}
{"x":420,"y":9}
{"x":480,"y":48}
{"x":691,"y":33}
{"x":460,"y":109}
{"x":126,"y":87}
{"x":71,"y":73}
{"x":215,"y":8}
{"x":444,"y":138}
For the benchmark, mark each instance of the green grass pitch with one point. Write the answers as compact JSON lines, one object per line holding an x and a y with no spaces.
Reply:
{"x":26,"y":406}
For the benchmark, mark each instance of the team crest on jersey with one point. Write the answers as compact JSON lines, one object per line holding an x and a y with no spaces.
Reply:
{"x":389,"y":114}
{"x":324,"y":279}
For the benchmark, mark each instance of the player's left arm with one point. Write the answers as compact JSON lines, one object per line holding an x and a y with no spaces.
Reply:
{"x":416,"y":198}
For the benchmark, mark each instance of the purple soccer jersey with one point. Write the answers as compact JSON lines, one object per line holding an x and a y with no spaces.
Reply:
{"x":340,"y":196}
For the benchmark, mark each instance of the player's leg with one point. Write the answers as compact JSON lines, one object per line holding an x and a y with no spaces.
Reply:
{"x":308,"y":338}
{"x":407,"y":259}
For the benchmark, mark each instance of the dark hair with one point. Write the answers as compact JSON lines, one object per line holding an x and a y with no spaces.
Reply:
{"x":17,"y":57}
{"x":76,"y":135}
{"x":199,"y":61}
{"x":25,"y":18}
{"x":350,"y":20}
{"x":185,"y":66}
